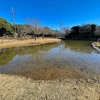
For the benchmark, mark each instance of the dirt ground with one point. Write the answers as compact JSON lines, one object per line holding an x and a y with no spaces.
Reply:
{"x":20,"y":88}
{"x":28,"y":42}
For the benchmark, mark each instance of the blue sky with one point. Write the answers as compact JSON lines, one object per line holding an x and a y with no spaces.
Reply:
{"x":52,"y":12}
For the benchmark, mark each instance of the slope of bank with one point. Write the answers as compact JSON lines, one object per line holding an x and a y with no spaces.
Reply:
{"x":20,"y":88}
{"x":28,"y":42}
{"x":96,"y":46}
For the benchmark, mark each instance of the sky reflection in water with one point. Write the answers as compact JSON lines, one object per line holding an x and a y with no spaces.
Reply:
{"x":69,"y":59}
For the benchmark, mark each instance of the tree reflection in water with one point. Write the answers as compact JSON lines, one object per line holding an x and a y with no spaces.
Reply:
{"x":68,"y":59}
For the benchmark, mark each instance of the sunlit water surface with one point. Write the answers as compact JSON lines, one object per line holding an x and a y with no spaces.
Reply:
{"x":66,"y":59}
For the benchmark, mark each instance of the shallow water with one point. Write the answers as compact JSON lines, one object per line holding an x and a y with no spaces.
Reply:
{"x":66,"y":59}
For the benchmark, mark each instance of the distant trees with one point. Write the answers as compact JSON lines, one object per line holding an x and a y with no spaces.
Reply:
{"x":5,"y":27}
{"x":85,"y":31}
{"x":25,"y":30}
{"x":35,"y":27}
{"x":75,"y":31}
{"x":21,"y":28}
{"x":97,"y":32}
{"x":33,"y":30}
{"x":47,"y":32}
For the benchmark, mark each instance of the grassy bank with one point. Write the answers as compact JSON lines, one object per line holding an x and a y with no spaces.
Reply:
{"x":97,"y":44}
{"x":20,"y":88}
{"x":28,"y":42}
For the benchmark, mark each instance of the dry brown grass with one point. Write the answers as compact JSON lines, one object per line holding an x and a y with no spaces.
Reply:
{"x":28,"y":42}
{"x":97,"y":44}
{"x":20,"y":88}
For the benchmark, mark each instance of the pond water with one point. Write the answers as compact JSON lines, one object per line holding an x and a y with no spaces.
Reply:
{"x":66,"y":59}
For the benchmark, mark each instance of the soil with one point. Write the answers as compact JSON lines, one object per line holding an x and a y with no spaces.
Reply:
{"x":21,"y":88}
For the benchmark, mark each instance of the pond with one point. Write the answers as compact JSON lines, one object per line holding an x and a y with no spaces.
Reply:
{"x":66,"y":59}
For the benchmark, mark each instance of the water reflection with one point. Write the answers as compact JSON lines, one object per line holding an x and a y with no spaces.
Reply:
{"x":79,"y":46}
{"x":68,"y":59}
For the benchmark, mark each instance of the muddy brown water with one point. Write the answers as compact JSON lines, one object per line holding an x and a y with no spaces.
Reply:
{"x":66,"y":59}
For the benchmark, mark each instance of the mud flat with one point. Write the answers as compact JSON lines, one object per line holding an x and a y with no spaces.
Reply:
{"x":28,"y":42}
{"x":21,"y":88}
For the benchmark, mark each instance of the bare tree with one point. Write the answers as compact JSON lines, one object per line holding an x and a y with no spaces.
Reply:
{"x":35,"y":27}
{"x":41,"y":31}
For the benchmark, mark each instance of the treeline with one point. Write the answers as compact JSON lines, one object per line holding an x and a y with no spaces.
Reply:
{"x":87,"y":31}
{"x":6,"y":28}
{"x":19,"y":30}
